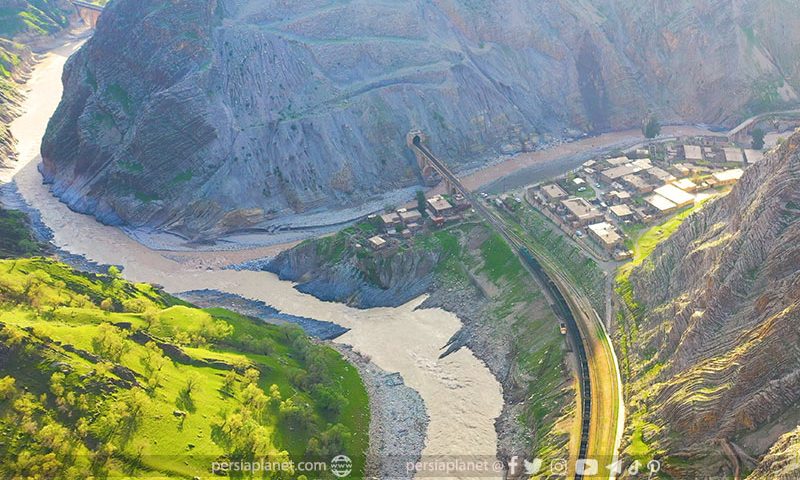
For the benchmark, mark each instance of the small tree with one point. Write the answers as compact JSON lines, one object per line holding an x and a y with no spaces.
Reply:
{"x":7,"y":389}
{"x":110,"y":343}
{"x":422,"y":203}
{"x":758,"y":139}
{"x":651,"y":127}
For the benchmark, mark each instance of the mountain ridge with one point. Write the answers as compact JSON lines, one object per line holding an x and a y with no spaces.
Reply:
{"x":245,"y":112}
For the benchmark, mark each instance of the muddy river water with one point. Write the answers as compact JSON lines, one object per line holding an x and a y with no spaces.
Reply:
{"x":461,"y":396}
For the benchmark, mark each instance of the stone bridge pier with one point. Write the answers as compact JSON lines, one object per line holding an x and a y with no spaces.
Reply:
{"x":431,"y":172}
{"x":88,"y":13}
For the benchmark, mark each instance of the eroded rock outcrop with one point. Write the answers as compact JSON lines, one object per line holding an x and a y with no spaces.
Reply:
{"x":212,"y":116}
{"x":716,"y":358}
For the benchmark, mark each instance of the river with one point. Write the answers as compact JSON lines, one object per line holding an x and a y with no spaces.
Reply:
{"x":461,"y":396}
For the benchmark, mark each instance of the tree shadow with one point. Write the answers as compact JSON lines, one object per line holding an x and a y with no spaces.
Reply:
{"x":185,"y":401}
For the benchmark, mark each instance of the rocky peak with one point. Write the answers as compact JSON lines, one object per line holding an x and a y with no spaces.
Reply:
{"x":211,"y":116}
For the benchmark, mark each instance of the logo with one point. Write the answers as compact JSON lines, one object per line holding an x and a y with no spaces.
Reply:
{"x":532,"y":468}
{"x":558,"y":467}
{"x":616,"y":468}
{"x":341,"y":466}
{"x":586,"y":466}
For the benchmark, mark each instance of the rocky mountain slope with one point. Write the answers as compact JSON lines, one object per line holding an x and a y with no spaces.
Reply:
{"x":22,"y":23}
{"x":213,"y":116}
{"x":714,"y":359}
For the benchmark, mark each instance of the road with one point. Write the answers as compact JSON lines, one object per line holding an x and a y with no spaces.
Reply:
{"x":602,"y":414}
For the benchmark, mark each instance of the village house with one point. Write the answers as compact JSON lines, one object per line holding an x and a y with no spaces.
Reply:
{"x":660,"y":175}
{"x":615,"y":197}
{"x":617,"y":161}
{"x":377,"y":242}
{"x":622,"y":213}
{"x":686,"y":184}
{"x":410,"y":216}
{"x":439,"y":205}
{"x":661,"y":204}
{"x":553,"y":192}
{"x":390,"y":220}
{"x":693,"y":153}
{"x":675,"y":195}
{"x":637,"y":184}
{"x":682,"y":169}
{"x":580,"y":212}
{"x":614,"y":173}
{"x":734,"y":155}
{"x":728,"y":177}
{"x":606,"y":235}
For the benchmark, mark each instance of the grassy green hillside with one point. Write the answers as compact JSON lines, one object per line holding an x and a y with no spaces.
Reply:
{"x":42,"y":17}
{"x":105,"y":377}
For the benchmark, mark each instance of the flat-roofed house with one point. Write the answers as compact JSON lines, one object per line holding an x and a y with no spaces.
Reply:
{"x":693,"y":153}
{"x":675,"y":195}
{"x":660,"y":175}
{"x":581,"y":212}
{"x":617,"y":161}
{"x":682,"y":169}
{"x":391,"y":219}
{"x":605,"y":234}
{"x":615,"y":197}
{"x":439,"y":205}
{"x":642,"y":164}
{"x":612,"y":174}
{"x":661,"y":204}
{"x":410,"y":216}
{"x":728,"y":177}
{"x":377,"y":242}
{"x":553,"y":192}
{"x":685,"y":184}
{"x":637,"y":183}
{"x":733,"y":154}
{"x":621,"y":212}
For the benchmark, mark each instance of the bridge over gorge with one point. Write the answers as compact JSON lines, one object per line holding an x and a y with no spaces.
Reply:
{"x":599,"y":386}
{"x":741,"y":133}
{"x":89,"y":12}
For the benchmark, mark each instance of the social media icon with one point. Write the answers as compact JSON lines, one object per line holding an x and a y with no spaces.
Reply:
{"x":634,"y":468}
{"x":532,"y":468}
{"x":558,"y":467}
{"x":586,"y":466}
{"x":616,"y":468}
{"x":654,"y":466}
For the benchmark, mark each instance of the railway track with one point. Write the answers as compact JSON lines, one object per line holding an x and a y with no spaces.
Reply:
{"x":551,"y":289}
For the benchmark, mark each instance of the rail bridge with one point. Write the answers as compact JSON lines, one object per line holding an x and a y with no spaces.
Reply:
{"x":89,"y":12}
{"x":573,"y":311}
{"x":741,"y":133}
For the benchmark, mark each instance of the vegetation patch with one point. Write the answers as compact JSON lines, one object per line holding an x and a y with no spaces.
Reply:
{"x":103,"y":377}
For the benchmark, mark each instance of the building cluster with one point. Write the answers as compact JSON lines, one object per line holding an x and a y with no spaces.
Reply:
{"x":605,"y":195}
{"x":403,"y":223}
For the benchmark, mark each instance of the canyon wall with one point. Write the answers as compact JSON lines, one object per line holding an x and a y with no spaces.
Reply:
{"x":714,"y":358}
{"x":215,"y":116}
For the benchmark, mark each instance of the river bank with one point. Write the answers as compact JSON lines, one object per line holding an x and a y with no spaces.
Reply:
{"x":461,"y":397}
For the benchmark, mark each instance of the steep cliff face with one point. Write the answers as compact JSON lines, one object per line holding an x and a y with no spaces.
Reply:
{"x":715,"y":357}
{"x":782,"y":461}
{"x":363,"y":281}
{"x":210,"y":116}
